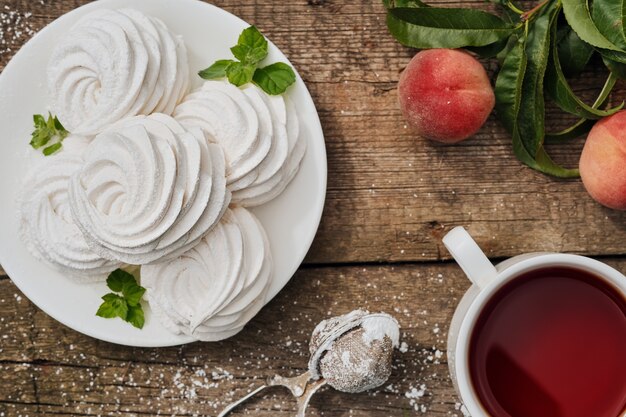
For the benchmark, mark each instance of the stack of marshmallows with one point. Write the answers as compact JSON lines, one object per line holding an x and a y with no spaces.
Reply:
{"x":153,"y":175}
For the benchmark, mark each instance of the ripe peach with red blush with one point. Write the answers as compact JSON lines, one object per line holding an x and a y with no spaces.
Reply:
{"x":603,"y":162}
{"x":445,"y":95}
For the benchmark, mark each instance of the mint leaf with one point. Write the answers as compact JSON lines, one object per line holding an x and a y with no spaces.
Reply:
{"x":133,"y":293}
{"x":252,"y":38}
{"x":240,"y":52}
{"x":45,"y":131}
{"x":126,"y":306}
{"x":251,"y":47}
{"x":50,"y":123}
{"x":52,"y":149}
{"x":40,"y":138}
{"x":61,"y":131}
{"x":274,"y":79}
{"x":239,"y":74}
{"x":118,"y":279}
{"x":247,"y":55}
{"x":113,"y":306}
{"x":217,"y":70}
{"x":136,"y":317}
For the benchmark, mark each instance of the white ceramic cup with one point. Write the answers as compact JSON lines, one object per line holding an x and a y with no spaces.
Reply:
{"x":486,"y":280}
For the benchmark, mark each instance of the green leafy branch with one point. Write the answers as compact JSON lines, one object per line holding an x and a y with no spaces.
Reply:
{"x":126,"y":306}
{"x":48,"y":134}
{"x":251,"y":49}
{"x":538,"y":50}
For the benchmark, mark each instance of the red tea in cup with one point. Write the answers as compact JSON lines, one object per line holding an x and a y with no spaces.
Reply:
{"x":551,"y":343}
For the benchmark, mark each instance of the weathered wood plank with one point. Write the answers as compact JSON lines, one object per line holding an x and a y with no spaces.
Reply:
{"x":54,"y":370}
{"x":390,"y":194}
{"x":391,"y":197}
{"x":48,"y":369}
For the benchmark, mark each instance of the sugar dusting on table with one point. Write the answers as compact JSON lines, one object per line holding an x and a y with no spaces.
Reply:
{"x":15,"y":28}
{"x":96,"y":378}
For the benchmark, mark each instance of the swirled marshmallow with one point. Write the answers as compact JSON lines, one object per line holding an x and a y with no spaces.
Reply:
{"x":47,"y":226}
{"x":113,"y":64}
{"x":76,"y":144}
{"x":211,"y":291}
{"x":276,"y":173}
{"x":259,"y":133}
{"x":148,"y":190}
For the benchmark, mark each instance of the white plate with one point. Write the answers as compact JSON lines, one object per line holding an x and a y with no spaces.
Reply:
{"x":290,"y":221}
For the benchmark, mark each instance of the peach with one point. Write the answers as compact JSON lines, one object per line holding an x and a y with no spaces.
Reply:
{"x":445,"y":95}
{"x":603,"y":162}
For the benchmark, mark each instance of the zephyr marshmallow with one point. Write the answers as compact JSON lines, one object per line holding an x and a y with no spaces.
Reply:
{"x":135,"y":185}
{"x":148,"y":190}
{"x":47,"y":226}
{"x":260,"y":135}
{"x":214,"y":289}
{"x":113,"y":64}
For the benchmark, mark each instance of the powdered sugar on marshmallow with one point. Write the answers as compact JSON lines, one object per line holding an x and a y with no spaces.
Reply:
{"x":47,"y":226}
{"x":113,"y":64}
{"x":260,"y":135}
{"x":148,"y":190}
{"x":214,"y":289}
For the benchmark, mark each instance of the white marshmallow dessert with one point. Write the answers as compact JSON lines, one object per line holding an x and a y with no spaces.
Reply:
{"x":148,"y":190}
{"x":214,"y":289}
{"x":113,"y":64}
{"x":47,"y":226}
{"x":260,"y":135}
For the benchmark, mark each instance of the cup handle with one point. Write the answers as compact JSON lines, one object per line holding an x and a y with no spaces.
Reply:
{"x":470,"y":257}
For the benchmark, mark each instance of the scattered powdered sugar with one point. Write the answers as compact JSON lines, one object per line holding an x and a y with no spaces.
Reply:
{"x":190,"y":384}
{"x":96,"y":378}
{"x":414,"y":394}
{"x":461,"y":407}
{"x":176,"y":381}
{"x":16,"y":27}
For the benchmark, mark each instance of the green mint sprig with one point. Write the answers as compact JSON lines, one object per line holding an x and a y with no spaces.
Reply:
{"x":251,"y":49}
{"x":47,"y":131}
{"x":126,"y":306}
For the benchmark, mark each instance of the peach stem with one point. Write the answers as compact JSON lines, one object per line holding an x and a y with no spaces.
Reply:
{"x":527,"y":15}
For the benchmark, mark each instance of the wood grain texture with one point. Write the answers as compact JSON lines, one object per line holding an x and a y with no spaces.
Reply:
{"x":47,"y":369}
{"x":391,"y":197}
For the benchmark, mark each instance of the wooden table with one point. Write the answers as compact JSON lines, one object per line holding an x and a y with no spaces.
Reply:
{"x":391,"y":197}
